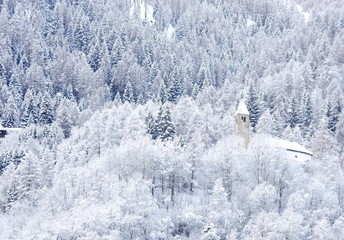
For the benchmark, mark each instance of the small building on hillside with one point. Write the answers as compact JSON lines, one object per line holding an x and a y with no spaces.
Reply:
{"x":293,"y":150}
{"x":6,"y":131}
{"x":242,"y":129}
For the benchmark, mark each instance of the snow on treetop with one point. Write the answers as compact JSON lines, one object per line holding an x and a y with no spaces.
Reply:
{"x":242,"y":109}
{"x":250,"y":23}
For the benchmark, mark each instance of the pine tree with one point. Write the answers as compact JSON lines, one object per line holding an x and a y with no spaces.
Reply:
{"x":46,"y":114}
{"x":16,"y":88}
{"x":10,"y":116}
{"x":128,"y":95}
{"x":140,"y":99}
{"x":113,"y":86}
{"x":307,"y":115}
{"x":70,"y":92}
{"x":2,"y":72}
{"x":277,"y":126}
{"x":195,"y":91}
{"x":28,"y":175}
{"x":325,"y":146}
{"x":67,"y":116}
{"x":340,"y":131}
{"x":163,"y":93}
{"x":265,"y":123}
{"x":165,"y":127}
{"x":175,"y":89}
{"x":29,"y":110}
{"x":151,"y":126}
{"x":333,"y":116}
{"x":293,"y":119}
{"x":95,"y":56}
{"x":203,"y":77}
{"x":118,"y":49}
{"x":253,"y":107}
{"x":82,"y":35}
{"x":117,"y":100}
{"x":12,"y":189}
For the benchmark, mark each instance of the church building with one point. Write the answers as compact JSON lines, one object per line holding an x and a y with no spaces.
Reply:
{"x":242,"y":129}
{"x":242,"y":122}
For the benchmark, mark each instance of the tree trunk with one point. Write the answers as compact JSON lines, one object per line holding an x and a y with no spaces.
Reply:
{"x":192,"y":176}
{"x":172,"y":187}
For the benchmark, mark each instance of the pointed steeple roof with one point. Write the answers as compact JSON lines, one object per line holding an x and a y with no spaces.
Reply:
{"x":242,"y":109}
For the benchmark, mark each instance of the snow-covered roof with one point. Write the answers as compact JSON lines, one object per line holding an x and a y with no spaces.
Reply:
{"x":9,"y":129}
{"x":242,"y":109}
{"x":291,"y":146}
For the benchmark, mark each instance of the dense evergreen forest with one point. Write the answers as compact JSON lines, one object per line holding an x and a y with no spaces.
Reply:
{"x":126,"y":110}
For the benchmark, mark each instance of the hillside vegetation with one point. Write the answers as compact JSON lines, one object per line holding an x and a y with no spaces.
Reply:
{"x":127,"y":116}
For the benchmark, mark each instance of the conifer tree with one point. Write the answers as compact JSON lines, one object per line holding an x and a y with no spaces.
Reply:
{"x":195,"y":91}
{"x":165,"y":127}
{"x":95,"y":56}
{"x":16,"y":88}
{"x":340,"y":131}
{"x":12,"y":189}
{"x":10,"y":116}
{"x":151,"y":126}
{"x":140,"y":99}
{"x":265,"y":123}
{"x":307,"y":114}
{"x":118,"y":49}
{"x":70,"y":92}
{"x":293,"y":119}
{"x":253,"y":107}
{"x":277,"y":126}
{"x":163,"y":93}
{"x":113,"y":86}
{"x":203,"y":77}
{"x":332,"y":114}
{"x":29,"y":110}
{"x":67,"y":116}
{"x":82,"y":35}
{"x":325,"y":146}
{"x":128,"y":95}
{"x":174,"y":90}
{"x":2,"y":72}
{"x":117,"y":100}
{"x":28,"y":175}
{"x":46,"y":114}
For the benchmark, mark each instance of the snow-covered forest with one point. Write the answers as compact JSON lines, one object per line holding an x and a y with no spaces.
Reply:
{"x":126,"y":110}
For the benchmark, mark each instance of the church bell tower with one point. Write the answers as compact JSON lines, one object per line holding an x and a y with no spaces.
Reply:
{"x":242,"y":122}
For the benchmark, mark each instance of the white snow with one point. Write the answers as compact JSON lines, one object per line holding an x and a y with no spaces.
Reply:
{"x":145,"y":10}
{"x":294,"y":150}
{"x":290,"y":4}
{"x":242,"y":109}
{"x":9,"y":129}
{"x":292,"y":146}
{"x":170,"y":32}
{"x":250,"y":23}
{"x":306,"y":15}
{"x":132,"y":8}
